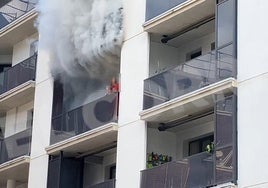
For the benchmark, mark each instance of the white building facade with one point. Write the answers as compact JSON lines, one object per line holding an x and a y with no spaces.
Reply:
{"x":189,"y":112}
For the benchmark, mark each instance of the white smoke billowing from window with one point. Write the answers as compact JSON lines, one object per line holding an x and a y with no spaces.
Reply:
{"x":84,"y":39}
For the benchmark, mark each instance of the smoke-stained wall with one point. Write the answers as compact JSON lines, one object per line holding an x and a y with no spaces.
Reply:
{"x":83,"y":39}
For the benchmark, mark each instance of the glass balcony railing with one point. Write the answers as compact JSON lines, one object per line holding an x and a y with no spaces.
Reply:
{"x":15,"y":146}
{"x":85,"y":118}
{"x":18,"y":74}
{"x":187,"y":77}
{"x":200,"y":170}
{"x":106,"y":184}
{"x":11,"y":10}
{"x":157,"y":7}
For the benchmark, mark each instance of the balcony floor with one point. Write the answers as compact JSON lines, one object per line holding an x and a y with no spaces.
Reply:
{"x":188,"y":104}
{"x":88,"y":142}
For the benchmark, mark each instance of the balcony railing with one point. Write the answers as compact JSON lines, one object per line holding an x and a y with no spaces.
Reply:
{"x":157,"y":7}
{"x":85,"y":118}
{"x":11,"y":10}
{"x":195,"y":171}
{"x":187,"y":77}
{"x":18,"y":74}
{"x":106,"y":184}
{"x":15,"y":146}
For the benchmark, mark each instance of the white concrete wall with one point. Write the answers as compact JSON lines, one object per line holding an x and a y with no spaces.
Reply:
{"x":41,"y":121}
{"x":5,"y":59}
{"x":16,"y":119}
{"x":203,"y":42}
{"x":93,"y":174}
{"x":131,"y":142}
{"x":252,"y":93}
{"x":96,"y":173}
{"x":21,"y":50}
{"x":163,"y":56}
{"x":161,"y":142}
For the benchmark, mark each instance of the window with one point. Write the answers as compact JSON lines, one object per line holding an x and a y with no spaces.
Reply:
{"x":29,"y":118}
{"x":199,"y":145}
{"x":112,"y":172}
{"x":194,"y":54}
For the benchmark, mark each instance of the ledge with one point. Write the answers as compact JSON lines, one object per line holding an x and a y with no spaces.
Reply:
{"x":183,"y":105}
{"x":17,"y":96}
{"x":27,"y":16}
{"x":14,"y":162}
{"x":180,"y":17}
{"x":17,"y":31}
{"x":85,"y":142}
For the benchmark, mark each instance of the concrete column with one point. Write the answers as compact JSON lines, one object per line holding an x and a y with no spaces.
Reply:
{"x":252,"y":93}
{"x":11,"y":183}
{"x":41,"y":121}
{"x":132,"y":133}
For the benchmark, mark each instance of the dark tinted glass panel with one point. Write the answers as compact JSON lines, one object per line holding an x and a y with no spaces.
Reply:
{"x":224,"y":165}
{"x":185,"y":78}
{"x":195,"y":171}
{"x":16,"y":145}
{"x":154,"y":177}
{"x":225,"y":22}
{"x":85,"y":118}
{"x":226,"y":62}
{"x":199,"y":145}
{"x":224,"y":120}
{"x":157,"y":7}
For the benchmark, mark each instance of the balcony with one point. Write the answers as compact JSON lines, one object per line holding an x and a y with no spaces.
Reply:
{"x":15,"y":156}
{"x":86,"y":128}
{"x":201,"y":149}
{"x":177,"y":90}
{"x":17,"y":84}
{"x":11,"y":10}
{"x":77,"y":172}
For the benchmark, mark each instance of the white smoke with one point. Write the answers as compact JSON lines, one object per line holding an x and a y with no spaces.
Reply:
{"x":83,"y":38}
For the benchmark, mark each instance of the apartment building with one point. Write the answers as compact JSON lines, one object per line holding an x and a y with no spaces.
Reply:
{"x":18,"y":57}
{"x":183,"y":115}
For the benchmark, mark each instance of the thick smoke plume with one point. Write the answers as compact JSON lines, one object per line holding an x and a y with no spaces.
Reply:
{"x":83,"y":38}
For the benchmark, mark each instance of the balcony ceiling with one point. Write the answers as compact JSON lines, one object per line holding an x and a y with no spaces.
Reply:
{"x":181,"y":17}
{"x":87,"y":143}
{"x":18,"y":170}
{"x":189,"y":104}
{"x":208,"y":28}
{"x":16,"y":31}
